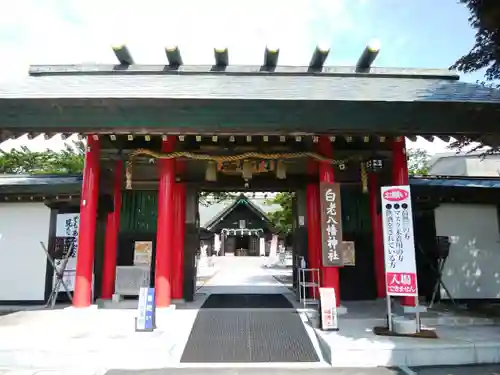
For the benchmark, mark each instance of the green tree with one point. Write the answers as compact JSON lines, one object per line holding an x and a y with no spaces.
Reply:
{"x":484,"y":54}
{"x":485,"y":19}
{"x":208,"y":198}
{"x":25,"y":161}
{"x":282,"y":218}
{"x":418,"y":162}
{"x":69,"y":160}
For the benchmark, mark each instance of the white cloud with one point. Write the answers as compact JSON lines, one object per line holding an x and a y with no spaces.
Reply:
{"x":77,"y":31}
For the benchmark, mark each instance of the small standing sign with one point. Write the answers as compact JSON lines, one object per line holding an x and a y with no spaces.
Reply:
{"x":331,"y":225}
{"x":328,"y":305}
{"x":146,"y":309}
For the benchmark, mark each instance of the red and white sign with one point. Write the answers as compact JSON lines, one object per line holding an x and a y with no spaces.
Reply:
{"x":328,"y":304}
{"x":399,"y":243}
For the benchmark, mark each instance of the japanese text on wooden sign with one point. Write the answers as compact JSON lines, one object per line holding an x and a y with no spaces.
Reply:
{"x":399,"y":244}
{"x":331,"y":225}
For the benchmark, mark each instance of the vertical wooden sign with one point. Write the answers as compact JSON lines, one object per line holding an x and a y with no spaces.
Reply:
{"x":331,"y":225}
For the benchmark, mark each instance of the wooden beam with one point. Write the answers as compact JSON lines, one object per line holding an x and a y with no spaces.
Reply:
{"x":248,"y":116}
{"x":327,"y":71}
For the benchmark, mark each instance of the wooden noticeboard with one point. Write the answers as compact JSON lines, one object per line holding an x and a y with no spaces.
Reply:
{"x":349,"y":253}
{"x":331,"y":225}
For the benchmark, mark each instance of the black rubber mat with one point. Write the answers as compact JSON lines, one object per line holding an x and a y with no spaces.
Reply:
{"x":239,"y":336}
{"x":247,"y":301}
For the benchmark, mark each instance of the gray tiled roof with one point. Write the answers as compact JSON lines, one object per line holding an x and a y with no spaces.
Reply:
{"x":363,"y":87}
{"x":12,"y":180}
{"x":465,"y":182}
{"x":208,"y":213}
{"x":40,"y":184}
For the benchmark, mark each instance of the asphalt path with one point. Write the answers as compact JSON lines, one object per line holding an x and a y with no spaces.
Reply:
{"x":434,"y":370}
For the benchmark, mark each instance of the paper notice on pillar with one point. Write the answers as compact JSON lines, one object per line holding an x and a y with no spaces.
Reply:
{"x":399,"y":244}
{"x":331,"y":225}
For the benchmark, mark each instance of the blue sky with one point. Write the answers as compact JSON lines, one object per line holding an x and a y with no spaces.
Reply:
{"x":413,"y":33}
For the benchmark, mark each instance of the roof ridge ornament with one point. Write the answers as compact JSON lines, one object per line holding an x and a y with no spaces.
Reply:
{"x":123,"y":54}
{"x":319,"y":56}
{"x":368,"y":56}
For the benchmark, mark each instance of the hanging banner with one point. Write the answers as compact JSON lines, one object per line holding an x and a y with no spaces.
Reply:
{"x":399,"y":244}
{"x":331,"y":225}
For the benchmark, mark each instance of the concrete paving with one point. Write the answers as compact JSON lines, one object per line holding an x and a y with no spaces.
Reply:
{"x":243,"y":275}
{"x":92,"y":341}
{"x":263,"y":371}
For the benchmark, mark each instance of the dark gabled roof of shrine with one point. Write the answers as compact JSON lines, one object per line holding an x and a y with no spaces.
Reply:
{"x":241,"y":199}
{"x":246,"y":82}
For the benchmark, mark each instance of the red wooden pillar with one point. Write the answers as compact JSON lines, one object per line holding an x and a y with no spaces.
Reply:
{"x":329,"y":275}
{"x":86,"y":233}
{"x":378,"y":247}
{"x":112,"y":230}
{"x":165,"y":227}
{"x":313,"y":228}
{"x":400,"y":177}
{"x":178,"y":255}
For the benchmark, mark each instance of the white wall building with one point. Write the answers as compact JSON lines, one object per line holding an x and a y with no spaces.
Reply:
{"x":472,"y":165}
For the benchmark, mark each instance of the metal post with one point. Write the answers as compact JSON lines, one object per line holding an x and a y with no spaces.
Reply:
{"x":400,"y":177}
{"x":59,"y":272}
{"x":389,"y":312}
{"x":417,"y":312}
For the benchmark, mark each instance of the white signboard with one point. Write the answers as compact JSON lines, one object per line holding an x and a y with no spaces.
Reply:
{"x":67,"y":237}
{"x":67,"y":226}
{"x":399,"y":244}
{"x":328,"y":303}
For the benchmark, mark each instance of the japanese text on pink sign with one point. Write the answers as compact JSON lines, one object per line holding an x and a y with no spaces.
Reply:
{"x":399,"y":245}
